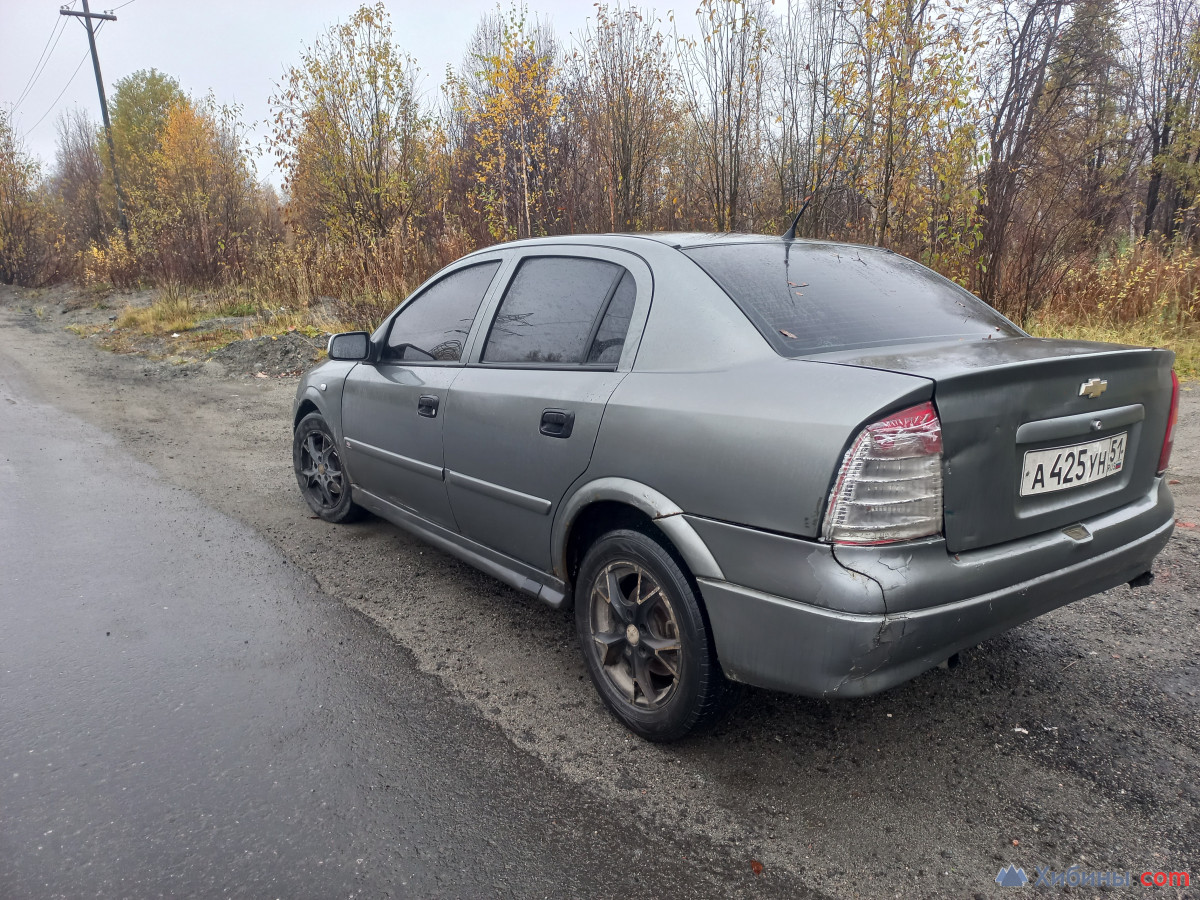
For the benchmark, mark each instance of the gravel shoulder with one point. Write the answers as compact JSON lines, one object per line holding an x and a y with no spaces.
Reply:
{"x":1071,"y":740}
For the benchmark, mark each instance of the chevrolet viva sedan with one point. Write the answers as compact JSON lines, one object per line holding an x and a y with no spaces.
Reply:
{"x":813,"y":467}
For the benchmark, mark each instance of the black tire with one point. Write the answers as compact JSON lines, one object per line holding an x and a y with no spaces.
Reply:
{"x":678,"y":686}
{"x":320,"y":474}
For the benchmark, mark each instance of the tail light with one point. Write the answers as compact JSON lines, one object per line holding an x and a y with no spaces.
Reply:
{"x":1164,"y":458}
{"x":889,"y":487}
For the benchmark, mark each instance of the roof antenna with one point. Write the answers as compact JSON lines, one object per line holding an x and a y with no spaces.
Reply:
{"x":790,"y":234}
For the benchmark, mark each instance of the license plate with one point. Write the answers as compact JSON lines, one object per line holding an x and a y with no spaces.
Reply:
{"x":1046,"y":471}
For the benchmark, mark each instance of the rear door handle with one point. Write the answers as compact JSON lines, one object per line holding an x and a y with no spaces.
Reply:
{"x":557,"y":423}
{"x":427,"y":406}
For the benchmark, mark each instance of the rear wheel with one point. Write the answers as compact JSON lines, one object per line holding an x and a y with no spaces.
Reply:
{"x":645,"y":640}
{"x":318,"y":464}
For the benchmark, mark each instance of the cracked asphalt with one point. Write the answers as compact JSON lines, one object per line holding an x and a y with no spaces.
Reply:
{"x":1071,"y":740}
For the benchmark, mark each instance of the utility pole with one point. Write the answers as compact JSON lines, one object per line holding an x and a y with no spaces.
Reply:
{"x":87,"y":15}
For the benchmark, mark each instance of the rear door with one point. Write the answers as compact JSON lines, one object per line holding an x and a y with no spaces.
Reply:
{"x":393,"y":407}
{"x":523,"y":415}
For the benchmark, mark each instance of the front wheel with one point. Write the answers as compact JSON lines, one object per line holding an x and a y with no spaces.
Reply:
{"x":318,"y":464}
{"x":645,"y":640}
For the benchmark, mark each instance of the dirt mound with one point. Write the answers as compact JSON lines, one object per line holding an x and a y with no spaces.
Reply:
{"x":280,"y":355}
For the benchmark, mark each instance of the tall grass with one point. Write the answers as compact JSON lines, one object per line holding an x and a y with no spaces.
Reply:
{"x":175,"y":309}
{"x":360,"y":282}
{"x":1147,"y":282}
{"x":1146,"y":294}
{"x":357,"y":282}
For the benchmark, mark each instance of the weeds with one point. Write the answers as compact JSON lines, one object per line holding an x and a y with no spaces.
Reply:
{"x":1147,"y":294}
{"x":359,"y":283}
{"x":1144,"y":294}
{"x":1148,"y":282}
{"x":181,"y":314}
{"x":235,"y":308}
{"x":173,"y":310}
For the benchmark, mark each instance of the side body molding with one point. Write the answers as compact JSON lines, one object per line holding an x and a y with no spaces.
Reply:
{"x":665,"y":513}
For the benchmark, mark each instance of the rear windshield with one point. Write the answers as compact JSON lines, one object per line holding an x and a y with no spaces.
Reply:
{"x":813,"y":298}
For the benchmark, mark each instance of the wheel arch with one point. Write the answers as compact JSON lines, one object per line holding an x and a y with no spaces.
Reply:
{"x":608,"y":503}
{"x":303,"y":408}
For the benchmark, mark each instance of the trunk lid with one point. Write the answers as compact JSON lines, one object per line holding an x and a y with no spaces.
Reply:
{"x":1000,"y":399}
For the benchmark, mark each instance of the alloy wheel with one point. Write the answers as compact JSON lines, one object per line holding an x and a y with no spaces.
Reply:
{"x":636,"y":634}
{"x":321,"y":470}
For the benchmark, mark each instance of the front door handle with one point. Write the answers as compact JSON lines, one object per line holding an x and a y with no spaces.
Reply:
{"x":427,"y":406}
{"x":557,"y":423}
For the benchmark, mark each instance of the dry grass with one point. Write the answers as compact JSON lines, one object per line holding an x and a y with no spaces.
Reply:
{"x":174,"y":309}
{"x":179,"y":314}
{"x":1146,"y":294}
{"x":360,"y":284}
{"x":1147,"y":282}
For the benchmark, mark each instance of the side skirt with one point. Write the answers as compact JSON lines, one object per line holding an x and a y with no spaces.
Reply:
{"x":516,"y":574}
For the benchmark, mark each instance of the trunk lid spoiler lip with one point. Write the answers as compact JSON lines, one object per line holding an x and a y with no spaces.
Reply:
{"x":938,"y":360}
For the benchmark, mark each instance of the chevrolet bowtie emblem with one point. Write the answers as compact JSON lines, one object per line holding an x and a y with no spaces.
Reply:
{"x":1093,"y":388}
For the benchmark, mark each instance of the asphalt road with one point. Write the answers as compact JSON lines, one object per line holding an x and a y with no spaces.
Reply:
{"x":1071,"y":740}
{"x":185,"y":714}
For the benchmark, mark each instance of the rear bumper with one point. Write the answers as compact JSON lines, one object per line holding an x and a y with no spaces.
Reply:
{"x":834,"y":644}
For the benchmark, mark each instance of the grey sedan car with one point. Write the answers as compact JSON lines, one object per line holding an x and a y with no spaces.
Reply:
{"x":813,"y":467}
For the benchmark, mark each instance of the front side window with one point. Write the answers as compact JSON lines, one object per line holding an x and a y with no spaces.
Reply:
{"x":562,"y":310}
{"x":433,"y":326}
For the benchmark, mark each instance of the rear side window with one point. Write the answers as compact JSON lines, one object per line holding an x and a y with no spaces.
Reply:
{"x":433,"y":326}
{"x":562,"y":311}
{"x":812,"y":298}
{"x":610,"y":336}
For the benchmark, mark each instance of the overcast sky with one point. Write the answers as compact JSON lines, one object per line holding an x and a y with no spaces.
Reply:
{"x":237,"y":50}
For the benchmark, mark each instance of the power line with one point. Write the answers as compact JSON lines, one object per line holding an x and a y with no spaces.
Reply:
{"x":40,"y":66}
{"x":60,"y":93}
{"x":43,"y":60}
{"x":32,"y":75}
{"x":70,"y":81}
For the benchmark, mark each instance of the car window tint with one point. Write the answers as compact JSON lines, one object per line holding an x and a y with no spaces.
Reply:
{"x":610,"y":337}
{"x":809,"y":298}
{"x":549,"y":310}
{"x":433,"y":326}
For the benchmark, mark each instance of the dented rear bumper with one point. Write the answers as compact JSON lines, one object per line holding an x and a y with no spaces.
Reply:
{"x":835,"y":623}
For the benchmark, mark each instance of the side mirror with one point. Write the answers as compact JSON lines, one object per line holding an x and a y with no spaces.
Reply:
{"x":351,"y":346}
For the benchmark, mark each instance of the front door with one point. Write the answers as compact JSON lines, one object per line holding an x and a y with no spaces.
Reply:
{"x":522,"y":421}
{"x":393,"y":408}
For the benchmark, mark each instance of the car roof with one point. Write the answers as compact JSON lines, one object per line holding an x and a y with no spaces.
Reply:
{"x":678,"y":240}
